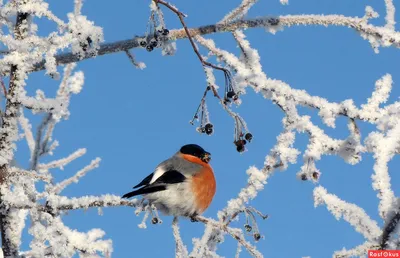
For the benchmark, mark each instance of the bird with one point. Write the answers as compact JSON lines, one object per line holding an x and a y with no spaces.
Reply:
{"x":183,"y":185}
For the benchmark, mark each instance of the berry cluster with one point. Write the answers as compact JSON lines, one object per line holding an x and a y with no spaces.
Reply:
{"x":202,"y":114}
{"x":251,"y":219}
{"x":159,"y":36}
{"x":314,"y":175}
{"x":241,"y":138}
{"x":157,"y":33}
{"x":309,"y":171}
{"x":230,"y":93}
{"x":273,"y":21}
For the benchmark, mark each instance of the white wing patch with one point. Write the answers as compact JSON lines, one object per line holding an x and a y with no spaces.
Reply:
{"x":157,"y":173}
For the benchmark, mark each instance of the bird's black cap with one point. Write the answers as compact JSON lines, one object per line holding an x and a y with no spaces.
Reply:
{"x":197,"y":151}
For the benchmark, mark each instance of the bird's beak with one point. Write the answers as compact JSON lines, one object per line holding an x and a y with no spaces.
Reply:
{"x":206,"y":157}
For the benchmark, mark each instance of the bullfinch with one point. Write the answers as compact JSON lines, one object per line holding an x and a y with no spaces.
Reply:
{"x":183,"y":185}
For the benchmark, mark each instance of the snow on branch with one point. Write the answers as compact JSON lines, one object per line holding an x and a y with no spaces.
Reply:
{"x":180,"y":248}
{"x":27,"y":128}
{"x":391,"y":228}
{"x":239,"y":11}
{"x":381,"y":94}
{"x":61,"y":203}
{"x":78,"y":6}
{"x":61,"y":163}
{"x":237,"y":234}
{"x":390,"y":11}
{"x":74,"y":179}
{"x":384,"y":148}
{"x":358,"y":251}
{"x":18,"y":173}
{"x":351,"y":213}
{"x":379,"y":36}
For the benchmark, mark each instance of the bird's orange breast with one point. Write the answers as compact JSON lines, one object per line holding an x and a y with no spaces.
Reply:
{"x":204,"y":187}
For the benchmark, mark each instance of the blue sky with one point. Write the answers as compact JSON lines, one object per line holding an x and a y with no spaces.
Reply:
{"x":133,"y":119}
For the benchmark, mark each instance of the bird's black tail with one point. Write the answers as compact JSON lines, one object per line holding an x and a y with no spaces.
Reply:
{"x":130,"y":194}
{"x":145,"y":190}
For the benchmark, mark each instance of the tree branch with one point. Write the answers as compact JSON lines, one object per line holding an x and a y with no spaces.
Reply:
{"x":388,"y":229}
{"x":59,"y":203}
{"x":9,"y":133}
{"x":267,"y":22}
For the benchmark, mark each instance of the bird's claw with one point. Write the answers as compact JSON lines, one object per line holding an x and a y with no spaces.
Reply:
{"x":194,"y":219}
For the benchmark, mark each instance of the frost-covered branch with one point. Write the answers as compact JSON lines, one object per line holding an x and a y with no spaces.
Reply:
{"x":27,"y":128}
{"x":74,"y":179}
{"x":62,"y":203}
{"x":180,"y":248}
{"x":390,"y":229}
{"x":350,"y":212}
{"x":371,"y":32}
{"x":9,"y":132}
{"x":390,"y":15}
{"x":357,"y":251}
{"x":18,"y":172}
{"x":139,"y":65}
{"x":239,"y":11}
{"x":61,"y":163}
{"x":237,"y":234}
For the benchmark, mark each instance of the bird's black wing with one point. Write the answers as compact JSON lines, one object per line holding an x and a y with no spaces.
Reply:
{"x":169,"y":177}
{"x":145,"y":181}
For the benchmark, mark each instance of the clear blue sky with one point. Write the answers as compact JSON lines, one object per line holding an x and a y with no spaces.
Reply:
{"x":134,"y":119}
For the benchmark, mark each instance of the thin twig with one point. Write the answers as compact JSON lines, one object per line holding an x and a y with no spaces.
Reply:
{"x":239,"y":237}
{"x":181,"y":18}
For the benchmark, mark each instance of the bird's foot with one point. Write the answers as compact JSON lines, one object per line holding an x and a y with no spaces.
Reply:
{"x":193,"y":218}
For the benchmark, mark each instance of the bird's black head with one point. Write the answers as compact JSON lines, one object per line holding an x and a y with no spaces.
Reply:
{"x":197,"y":151}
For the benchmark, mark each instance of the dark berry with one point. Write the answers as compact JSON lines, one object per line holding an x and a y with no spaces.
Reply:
{"x":315,"y":175}
{"x":208,"y":128}
{"x":303,"y":177}
{"x":89,"y":40}
{"x":248,"y":228}
{"x":257,"y":236}
{"x":143,"y":43}
{"x":153,"y":43}
{"x":165,"y":32}
{"x":84,"y":46}
{"x":208,"y":88}
{"x":273,"y":21}
{"x":240,"y":148}
{"x":248,"y":137}
{"x":154,"y":220}
{"x":235,"y":97}
{"x":149,"y":48}
{"x":230,"y":94}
